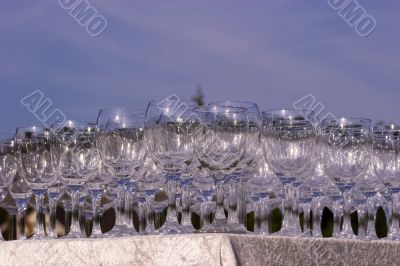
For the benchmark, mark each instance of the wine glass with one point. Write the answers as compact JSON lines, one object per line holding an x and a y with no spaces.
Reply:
{"x":386,"y":164}
{"x":34,"y":149}
{"x":121,"y":145}
{"x":346,"y":151}
{"x":220,"y":147}
{"x":8,"y":164}
{"x":289,"y":139}
{"x":77,"y":160}
{"x":170,"y":128}
{"x":245,"y":168}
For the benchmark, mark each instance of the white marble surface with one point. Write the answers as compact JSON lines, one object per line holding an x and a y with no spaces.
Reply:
{"x":208,"y":249}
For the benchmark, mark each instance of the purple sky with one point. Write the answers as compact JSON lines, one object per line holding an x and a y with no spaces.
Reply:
{"x":270,"y":52}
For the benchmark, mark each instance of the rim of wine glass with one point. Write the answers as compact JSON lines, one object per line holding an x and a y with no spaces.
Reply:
{"x":124,"y":110}
{"x":245,"y":104}
{"x":72,"y":123}
{"x":140,"y":118}
{"x":347,"y":121}
{"x":288,"y":112}
{"x":40,"y":130}
{"x":207,"y":109}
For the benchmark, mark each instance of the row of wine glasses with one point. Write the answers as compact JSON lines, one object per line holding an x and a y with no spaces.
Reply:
{"x":225,"y":156}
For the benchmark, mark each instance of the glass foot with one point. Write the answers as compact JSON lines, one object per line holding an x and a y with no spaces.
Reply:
{"x":289,"y":231}
{"x":170,"y":228}
{"x":74,"y":235}
{"x":369,"y":238}
{"x":120,"y":231}
{"x":393,"y":236}
{"x":38,"y":237}
{"x":222,"y":226}
{"x":187,"y":229}
{"x":347,"y":235}
{"x":307,"y":233}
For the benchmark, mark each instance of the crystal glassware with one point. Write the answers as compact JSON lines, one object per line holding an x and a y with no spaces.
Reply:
{"x":220,"y":147}
{"x":346,"y":150}
{"x":77,"y":160}
{"x":35,"y":148}
{"x":289,"y":140}
{"x":386,"y":164}
{"x":244,"y":171}
{"x":8,"y":165}
{"x":170,"y":129}
{"x":123,"y":153}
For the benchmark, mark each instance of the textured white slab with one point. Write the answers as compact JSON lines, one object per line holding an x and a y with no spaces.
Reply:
{"x":211,"y":249}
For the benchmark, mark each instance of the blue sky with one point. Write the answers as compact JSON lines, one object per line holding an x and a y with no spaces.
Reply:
{"x":270,"y":52}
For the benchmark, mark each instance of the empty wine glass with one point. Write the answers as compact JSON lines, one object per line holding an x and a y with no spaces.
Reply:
{"x":220,"y":147}
{"x":245,"y":168}
{"x":34,"y":146}
{"x":386,"y":163}
{"x":8,"y":164}
{"x":170,"y":128}
{"x":77,"y":160}
{"x":121,"y":145}
{"x":346,"y":151}
{"x":289,"y":139}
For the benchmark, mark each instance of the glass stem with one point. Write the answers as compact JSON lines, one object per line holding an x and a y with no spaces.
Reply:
{"x":242,"y":202}
{"x":172,"y":187}
{"x":257,"y":216}
{"x":186,"y":214}
{"x":150,"y":216}
{"x":39,"y":229}
{"x":75,"y":213}
{"x":53,"y":217}
{"x":395,"y":215}
{"x":21,"y":208}
{"x":307,"y":219}
{"x":347,"y":203}
{"x":362,"y":217}
{"x":316,"y":217}
{"x":205,"y":217}
{"x":220,"y":213}
{"x":337,"y":218}
{"x":233,"y":203}
{"x":96,"y":232}
{"x":287,"y":208}
{"x":264,"y":210}
{"x":371,"y":212}
{"x":119,"y":206}
{"x":142,"y":216}
{"x":295,"y":222}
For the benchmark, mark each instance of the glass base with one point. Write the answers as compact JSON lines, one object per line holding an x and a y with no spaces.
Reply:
{"x":307,"y":233}
{"x":222,"y":226}
{"x":289,"y":231}
{"x":74,"y":235}
{"x":347,"y":235}
{"x":187,"y":229}
{"x":393,"y":236}
{"x":38,"y":237}
{"x":120,"y":231}
{"x":368,"y":238}
{"x":170,"y":228}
